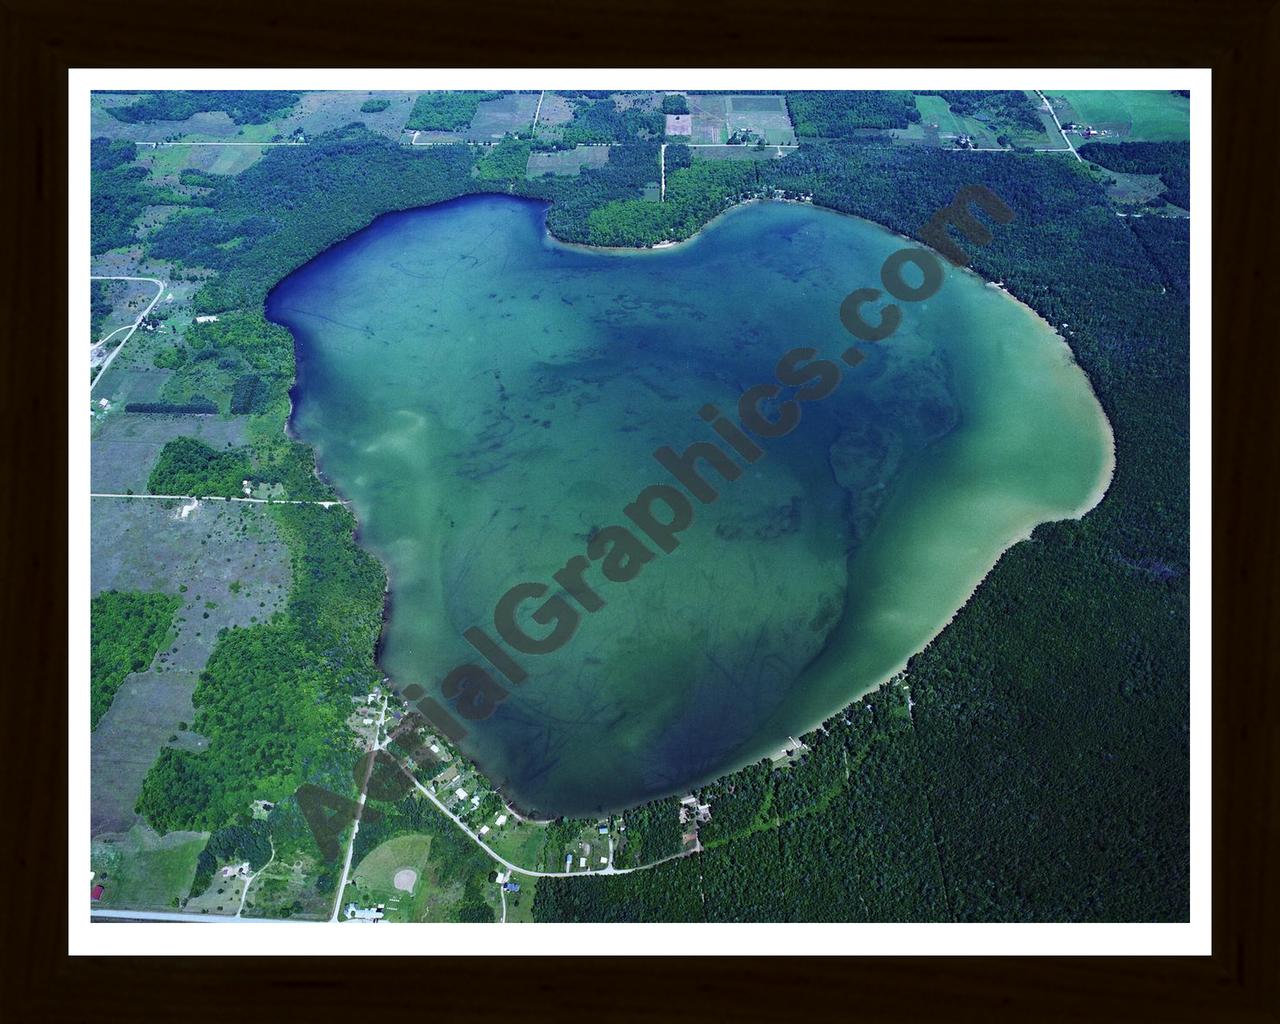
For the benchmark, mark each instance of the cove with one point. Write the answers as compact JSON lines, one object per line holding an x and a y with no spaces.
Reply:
{"x":489,"y":400}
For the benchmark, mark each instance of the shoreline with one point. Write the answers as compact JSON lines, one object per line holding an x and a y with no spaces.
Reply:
{"x":1092,"y":500}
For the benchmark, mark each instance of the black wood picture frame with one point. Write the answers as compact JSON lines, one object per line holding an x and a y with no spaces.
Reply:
{"x":1238,"y":39}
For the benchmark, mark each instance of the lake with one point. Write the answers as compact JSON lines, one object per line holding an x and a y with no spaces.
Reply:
{"x":490,"y":401}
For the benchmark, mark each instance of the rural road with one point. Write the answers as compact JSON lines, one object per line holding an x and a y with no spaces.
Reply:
{"x":141,"y":316}
{"x":193,"y":497}
{"x":378,"y":744}
{"x":177,"y":915}
{"x":254,"y":877}
{"x":1054,"y":115}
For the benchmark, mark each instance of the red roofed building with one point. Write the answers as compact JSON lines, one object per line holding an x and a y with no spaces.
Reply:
{"x":97,"y":892}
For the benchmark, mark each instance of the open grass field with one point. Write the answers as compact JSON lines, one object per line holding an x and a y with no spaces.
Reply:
{"x":566,"y":161}
{"x":141,"y":870}
{"x":384,"y":874}
{"x":738,"y":153}
{"x":126,"y":445}
{"x":710,"y":121}
{"x":230,"y":568}
{"x":765,"y":116}
{"x":166,"y":163}
{"x":521,"y":843}
{"x":495,"y":118}
{"x":1134,"y":115}
{"x":319,"y":112}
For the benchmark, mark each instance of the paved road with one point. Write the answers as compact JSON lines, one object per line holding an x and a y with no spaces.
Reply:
{"x":141,"y":316}
{"x":541,"y":97}
{"x":1054,"y":115}
{"x":177,"y":915}
{"x":193,"y":497}
{"x":378,"y":744}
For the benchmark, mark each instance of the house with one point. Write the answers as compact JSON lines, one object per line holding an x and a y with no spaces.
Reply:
{"x":206,"y":319}
{"x":603,"y":830}
{"x":484,"y":829}
{"x":510,"y":886}
{"x":461,"y":794}
{"x":502,"y":820}
{"x":97,"y":892}
{"x":370,"y":914}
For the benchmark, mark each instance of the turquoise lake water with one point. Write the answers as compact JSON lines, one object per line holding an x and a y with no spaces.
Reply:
{"x":490,"y":400}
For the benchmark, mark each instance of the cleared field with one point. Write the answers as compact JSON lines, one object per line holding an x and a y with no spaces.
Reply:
{"x":230,"y":568}
{"x":710,"y":122}
{"x":127,"y":299}
{"x":146,"y":715}
{"x":319,"y":112}
{"x":141,"y":870}
{"x":556,"y":110}
{"x":166,"y":163}
{"x":495,"y":118}
{"x":765,"y":116}
{"x":936,"y":114}
{"x":375,"y":878}
{"x":1134,"y":115}
{"x":738,"y":153}
{"x":287,"y":888}
{"x":567,"y":161}
{"x":126,"y":445}
{"x":519,"y":842}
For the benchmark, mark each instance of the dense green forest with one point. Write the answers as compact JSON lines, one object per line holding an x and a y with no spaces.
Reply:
{"x":837,"y":115}
{"x":242,"y":106}
{"x":1041,"y":771}
{"x":117,"y":193}
{"x":189,"y":466}
{"x":446,"y":111}
{"x":374,"y":106}
{"x":125,"y":630}
{"x":1170,"y":160}
{"x":600,"y":121}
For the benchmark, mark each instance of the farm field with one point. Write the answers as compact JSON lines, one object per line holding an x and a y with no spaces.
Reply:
{"x":140,"y":869}
{"x":738,"y":153}
{"x":716,"y":118}
{"x":495,"y":118}
{"x":566,"y":161}
{"x":319,"y":112}
{"x":1139,"y":115}
{"x":230,"y":568}
{"x":126,"y":445}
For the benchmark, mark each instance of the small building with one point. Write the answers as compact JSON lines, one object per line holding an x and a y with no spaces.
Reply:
{"x":96,"y":892}
{"x":370,"y":914}
{"x":603,"y":829}
{"x":510,"y":886}
{"x":582,"y":862}
{"x":502,"y":820}
{"x":484,"y":829}
{"x":461,"y":794}
{"x":206,"y":319}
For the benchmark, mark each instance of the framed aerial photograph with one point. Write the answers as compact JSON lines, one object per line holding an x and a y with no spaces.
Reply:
{"x":547,"y":523}
{"x":682,"y":498}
